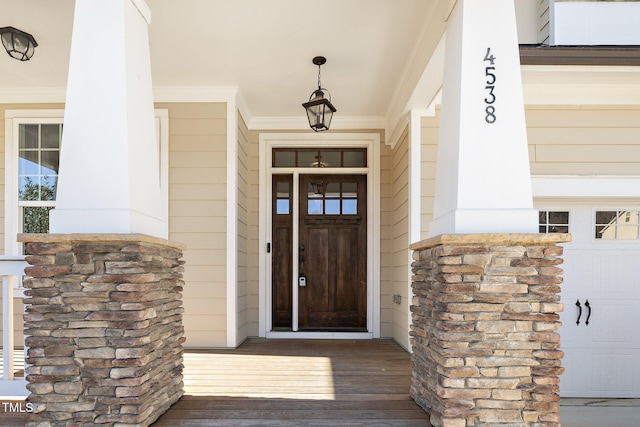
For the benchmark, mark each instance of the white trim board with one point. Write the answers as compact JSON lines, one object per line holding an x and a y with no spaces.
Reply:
{"x":321,"y":335}
{"x":371,"y":141}
{"x":232,"y":223}
{"x":582,"y":186}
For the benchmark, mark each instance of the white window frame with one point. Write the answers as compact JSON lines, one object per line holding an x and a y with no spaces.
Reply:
{"x":12,"y":206}
{"x":12,"y":211}
{"x":611,"y":208}
{"x":557,"y":209}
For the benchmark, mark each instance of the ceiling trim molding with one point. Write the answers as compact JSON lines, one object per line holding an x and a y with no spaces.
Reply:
{"x":160,"y":94}
{"x":143,"y":9}
{"x":407,"y":120}
{"x":194,"y":93}
{"x":392,"y":136}
{"x":33,"y":95}
{"x":301,"y":123}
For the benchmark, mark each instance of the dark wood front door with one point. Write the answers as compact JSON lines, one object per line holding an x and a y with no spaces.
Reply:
{"x":333,"y":253}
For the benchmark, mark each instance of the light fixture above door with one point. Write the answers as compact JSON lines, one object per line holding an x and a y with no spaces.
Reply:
{"x":319,"y":108}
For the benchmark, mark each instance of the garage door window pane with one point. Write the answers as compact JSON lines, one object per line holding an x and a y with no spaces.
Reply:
{"x":627,"y":232}
{"x":617,"y":225}
{"x":553,"y":221}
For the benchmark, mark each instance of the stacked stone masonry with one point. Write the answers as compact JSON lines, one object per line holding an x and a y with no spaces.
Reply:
{"x":485,"y":309}
{"x":103,"y":327}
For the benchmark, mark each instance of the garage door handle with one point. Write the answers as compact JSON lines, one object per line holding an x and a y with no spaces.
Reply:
{"x":586,"y":304}
{"x":579,"y":311}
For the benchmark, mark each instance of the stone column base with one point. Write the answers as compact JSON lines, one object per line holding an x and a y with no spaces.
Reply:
{"x":486,"y":351}
{"x":103,"y":327}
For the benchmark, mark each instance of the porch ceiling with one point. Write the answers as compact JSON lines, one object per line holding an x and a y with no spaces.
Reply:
{"x":263,"y":47}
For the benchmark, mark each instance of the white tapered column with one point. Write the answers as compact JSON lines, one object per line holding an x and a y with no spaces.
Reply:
{"x":109,"y":168}
{"x":483,"y":183}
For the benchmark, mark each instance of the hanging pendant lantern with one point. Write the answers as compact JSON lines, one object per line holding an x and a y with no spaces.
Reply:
{"x":18,"y":44}
{"x":319,"y":108}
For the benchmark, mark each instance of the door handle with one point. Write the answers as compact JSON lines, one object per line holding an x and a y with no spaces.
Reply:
{"x":586,"y":304}
{"x":579,"y":311}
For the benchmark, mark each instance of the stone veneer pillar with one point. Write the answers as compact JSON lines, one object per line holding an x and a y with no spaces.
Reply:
{"x":486,"y":351}
{"x":103,"y":327}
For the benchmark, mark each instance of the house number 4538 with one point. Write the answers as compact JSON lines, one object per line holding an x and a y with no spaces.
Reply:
{"x":490,"y":74}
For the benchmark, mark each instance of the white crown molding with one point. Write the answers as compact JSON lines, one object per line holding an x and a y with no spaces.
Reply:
{"x":39,"y":95}
{"x":194,"y":93}
{"x":392,"y":136}
{"x":143,"y":9}
{"x":35,"y":95}
{"x":201,"y":94}
{"x":244,"y":111}
{"x":301,"y":123}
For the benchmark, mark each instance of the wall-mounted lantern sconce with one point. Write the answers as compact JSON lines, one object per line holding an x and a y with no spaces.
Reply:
{"x":18,"y":44}
{"x":319,"y":108}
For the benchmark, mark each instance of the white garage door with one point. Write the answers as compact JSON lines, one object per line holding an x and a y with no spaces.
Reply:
{"x":601,"y":294}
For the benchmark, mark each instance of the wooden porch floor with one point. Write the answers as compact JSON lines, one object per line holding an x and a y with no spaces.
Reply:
{"x":298,"y":383}
{"x":292,"y":383}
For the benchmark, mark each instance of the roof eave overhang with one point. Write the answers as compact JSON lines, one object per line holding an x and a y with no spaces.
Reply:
{"x":580,"y":55}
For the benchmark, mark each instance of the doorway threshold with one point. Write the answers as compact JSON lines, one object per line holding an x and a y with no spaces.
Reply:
{"x":320,"y":335}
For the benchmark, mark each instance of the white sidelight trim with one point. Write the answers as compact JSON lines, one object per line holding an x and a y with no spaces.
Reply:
{"x":295,"y":237}
{"x":267,"y":142}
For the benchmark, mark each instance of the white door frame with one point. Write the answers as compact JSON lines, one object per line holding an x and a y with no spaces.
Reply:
{"x":269,"y":141}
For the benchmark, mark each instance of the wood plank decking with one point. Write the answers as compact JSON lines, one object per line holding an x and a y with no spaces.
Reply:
{"x":293,"y":383}
{"x":298,"y":383}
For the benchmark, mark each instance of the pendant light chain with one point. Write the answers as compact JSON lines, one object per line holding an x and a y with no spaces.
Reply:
{"x":319,"y":85}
